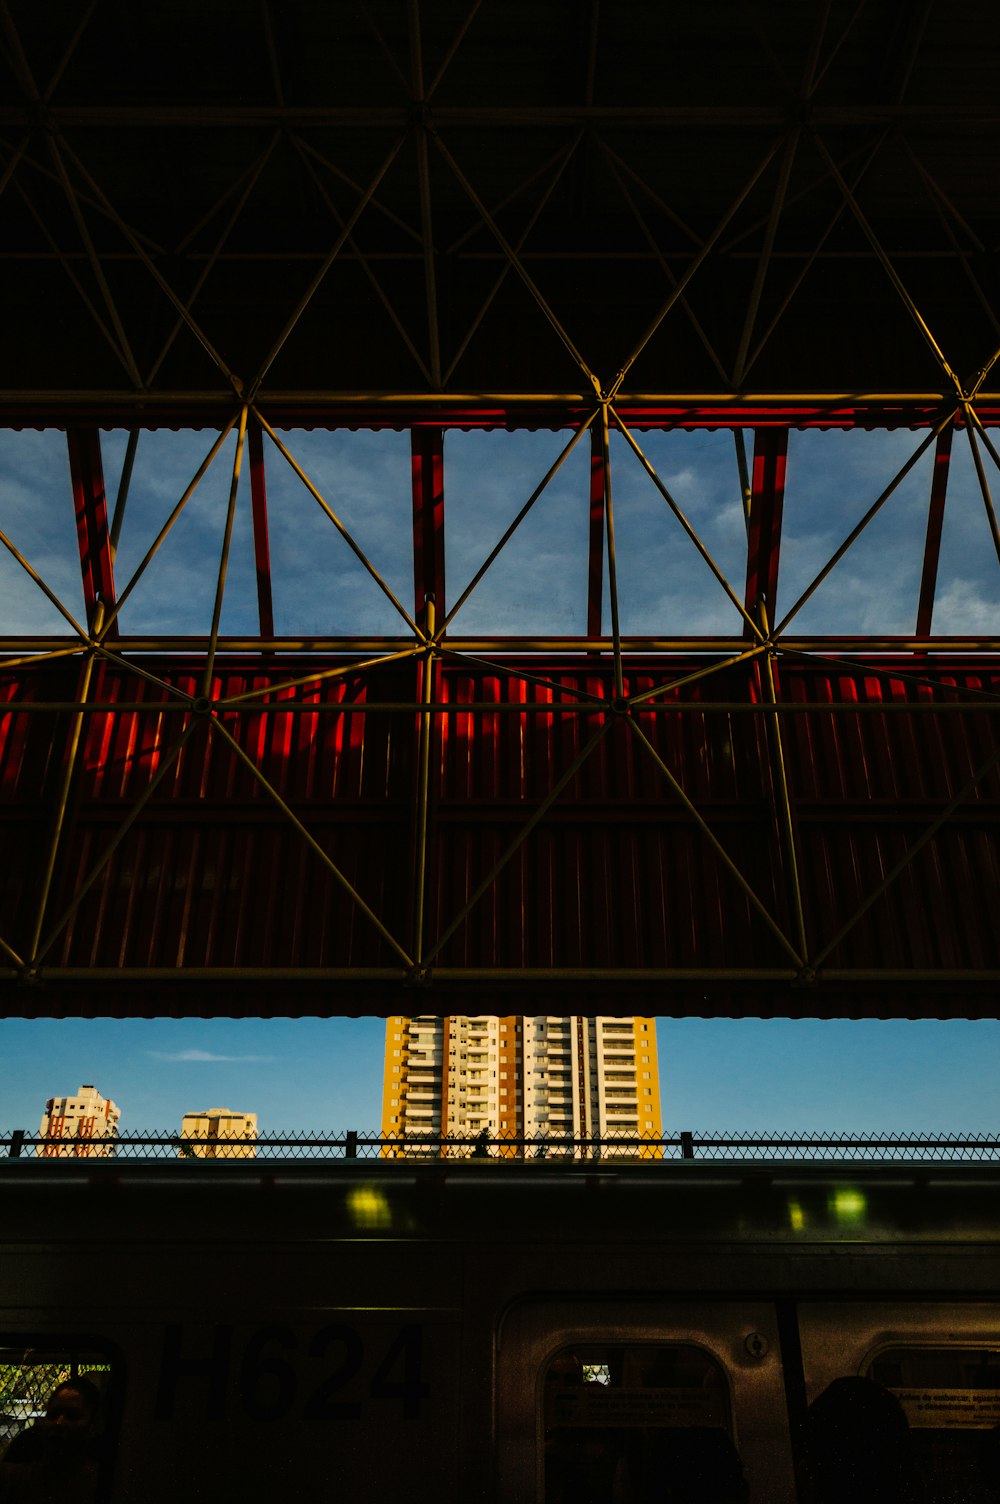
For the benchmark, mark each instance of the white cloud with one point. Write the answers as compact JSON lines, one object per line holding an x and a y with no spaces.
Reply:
{"x":202,"y":1056}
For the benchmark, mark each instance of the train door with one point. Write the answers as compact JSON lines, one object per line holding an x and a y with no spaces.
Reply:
{"x":612,"y":1400}
{"x":914,"y":1387}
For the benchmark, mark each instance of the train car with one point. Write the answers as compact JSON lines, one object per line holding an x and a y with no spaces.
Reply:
{"x":502,"y":1330}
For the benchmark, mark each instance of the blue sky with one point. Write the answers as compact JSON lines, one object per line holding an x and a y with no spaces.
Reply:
{"x":539,"y":582}
{"x":325,"y":1075}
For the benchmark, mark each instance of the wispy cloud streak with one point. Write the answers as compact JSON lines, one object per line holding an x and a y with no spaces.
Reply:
{"x":206,"y":1056}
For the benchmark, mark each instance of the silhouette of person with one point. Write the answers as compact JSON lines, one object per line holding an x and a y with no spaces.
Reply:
{"x":858,"y":1446}
{"x":56,"y":1458}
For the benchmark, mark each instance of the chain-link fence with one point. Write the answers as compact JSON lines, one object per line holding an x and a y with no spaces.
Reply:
{"x":27,"y":1378}
{"x":351,"y":1145}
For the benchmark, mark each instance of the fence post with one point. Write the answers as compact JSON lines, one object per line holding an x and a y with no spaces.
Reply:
{"x":17,"y":1143}
{"x":351,"y":1145}
{"x":687,"y":1146}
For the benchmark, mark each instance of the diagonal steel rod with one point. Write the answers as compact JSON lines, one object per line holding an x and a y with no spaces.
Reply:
{"x":516,"y":263}
{"x":743,"y":469}
{"x":62,"y":800}
{"x":786,"y":814}
{"x":16,"y":153}
{"x":169,"y":689}
{"x":870,"y":154}
{"x":220,"y":589}
{"x":125,"y":480}
{"x":341,"y":529}
{"x":943,"y":208}
{"x":562,"y":161}
{"x":890,"y":270}
{"x":609,"y":526}
{"x":456,"y":43}
{"x":67,"y":267}
{"x":424,"y":194}
{"x":764,"y":260}
{"x":878,"y":671}
{"x":338,"y":172}
{"x":43,"y":656}
{"x":84,"y":636}
{"x":69,"y":50}
{"x":616,"y":166}
{"x":706,"y":249}
{"x":9,"y":950}
{"x":327,"y":262}
{"x":716,"y":845}
{"x":647,"y":695}
{"x":320,"y":677}
{"x":970,"y":413}
{"x":910,"y":853}
{"x":984,"y":487}
{"x":982,"y":374}
{"x":508,"y":534}
{"x":856,"y":531}
{"x":212,"y":259}
{"x":331,"y":867}
{"x":672,"y":504}
{"x":81,"y":892}
{"x":165,"y":529}
{"x":509,"y":671}
{"x":809,"y":80}
{"x":520,"y":838}
{"x":153,"y":270}
{"x":816,"y":79}
{"x":124,"y":348}
{"x":306,"y":158}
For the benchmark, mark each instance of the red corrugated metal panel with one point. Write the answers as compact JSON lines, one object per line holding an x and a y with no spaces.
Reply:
{"x":617,"y":874}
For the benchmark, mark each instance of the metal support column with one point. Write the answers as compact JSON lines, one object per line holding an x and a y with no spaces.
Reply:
{"x":91,"y":509}
{"x":767,"y":494}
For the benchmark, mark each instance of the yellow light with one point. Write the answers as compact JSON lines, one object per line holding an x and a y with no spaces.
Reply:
{"x":368,"y":1207}
{"x":796,"y":1216}
{"x":848,"y":1205}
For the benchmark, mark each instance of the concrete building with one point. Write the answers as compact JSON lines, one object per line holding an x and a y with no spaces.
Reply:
{"x":202,"y":1131}
{"x":82,"y":1126}
{"x":521,"y":1078}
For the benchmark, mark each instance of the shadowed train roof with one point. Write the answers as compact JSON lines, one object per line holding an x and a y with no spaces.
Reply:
{"x":352,"y":200}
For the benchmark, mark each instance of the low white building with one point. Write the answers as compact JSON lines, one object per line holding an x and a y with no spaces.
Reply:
{"x":219,"y":1133}
{"x":83,"y":1125}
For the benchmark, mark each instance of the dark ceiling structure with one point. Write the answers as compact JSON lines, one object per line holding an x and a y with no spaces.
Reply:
{"x":602,"y":217}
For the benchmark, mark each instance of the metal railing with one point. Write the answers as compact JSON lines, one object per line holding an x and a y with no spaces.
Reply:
{"x":351,"y":1145}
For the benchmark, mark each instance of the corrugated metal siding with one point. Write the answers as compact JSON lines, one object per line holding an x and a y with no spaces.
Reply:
{"x":617,"y":874}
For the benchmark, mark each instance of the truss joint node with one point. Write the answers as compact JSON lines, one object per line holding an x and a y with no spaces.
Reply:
{"x":202,"y":705}
{"x":417,"y":976}
{"x":619,"y":705}
{"x":806,"y":976}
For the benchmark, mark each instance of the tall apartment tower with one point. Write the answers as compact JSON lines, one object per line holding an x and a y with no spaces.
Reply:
{"x":81,"y":1126}
{"x":519,"y":1077}
{"x":229,"y":1135}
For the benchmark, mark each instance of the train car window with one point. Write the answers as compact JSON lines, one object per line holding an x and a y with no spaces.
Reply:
{"x":55,"y":1418}
{"x":624,"y":1422}
{"x":951,"y":1399}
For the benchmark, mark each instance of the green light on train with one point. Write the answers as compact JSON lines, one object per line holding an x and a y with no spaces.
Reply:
{"x":796,"y":1216}
{"x":848,"y":1205}
{"x":369,"y":1208}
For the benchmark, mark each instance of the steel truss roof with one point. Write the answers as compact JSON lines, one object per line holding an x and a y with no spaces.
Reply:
{"x":597,"y":218}
{"x":755,"y":822}
{"x":545,"y":197}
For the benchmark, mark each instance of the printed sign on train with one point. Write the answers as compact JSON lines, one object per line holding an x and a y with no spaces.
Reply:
{"x":951,"y":1409}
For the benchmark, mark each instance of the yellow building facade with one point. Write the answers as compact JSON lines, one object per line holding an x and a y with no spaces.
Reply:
{"x":522,"y":1078}
{"x":219,"y":1133}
